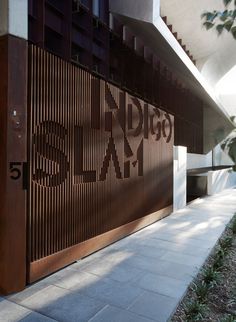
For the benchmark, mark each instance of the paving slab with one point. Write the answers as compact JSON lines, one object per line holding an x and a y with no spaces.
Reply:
{"x":179,"y":258}
{"x":77,"y":281}
{"x":177,"y":271}
{"x":114,"y":293}
{"x":140,"y":278}
{"x":11,"y":312}
{"x":163,"y":285}
{"x":175,"y":247}
{"x":120,"y":273}
{"x":63,"y":305}
{"x":154,"y":306}
{"x":113,"y":314}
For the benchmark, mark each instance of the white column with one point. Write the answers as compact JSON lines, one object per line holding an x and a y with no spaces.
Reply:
{"x":14,"y":18}
{"x":180,"y":177}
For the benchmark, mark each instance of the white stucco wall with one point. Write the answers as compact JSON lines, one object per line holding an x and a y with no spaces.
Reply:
{"x":229,"y":101}
{"x":218,"y":181}
{"x":180,"y":177}
{"x":215,"y":158}
{"x":195,"y":161}
{"x":218,"y":64}
{"x":14,"y":18}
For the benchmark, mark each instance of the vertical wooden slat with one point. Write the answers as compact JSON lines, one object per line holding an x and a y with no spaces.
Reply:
{"x":76,"y":116}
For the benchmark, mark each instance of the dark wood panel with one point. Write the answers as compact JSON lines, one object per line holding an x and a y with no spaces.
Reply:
{"x":100,"y":158}
{"x":13,"y":148}
{"x":54,"y":262}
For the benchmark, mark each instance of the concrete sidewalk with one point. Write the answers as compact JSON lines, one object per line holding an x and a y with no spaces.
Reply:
{"x":140,"y":278}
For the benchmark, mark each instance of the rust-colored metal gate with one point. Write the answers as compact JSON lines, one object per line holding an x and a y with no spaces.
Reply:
{"x":101,"y":163}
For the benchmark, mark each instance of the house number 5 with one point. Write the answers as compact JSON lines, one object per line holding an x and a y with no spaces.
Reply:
{"x":15,"y":170}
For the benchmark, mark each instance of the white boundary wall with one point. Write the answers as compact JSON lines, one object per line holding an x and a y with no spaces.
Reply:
{"x":195,"y":161}
{"x":220,"y":180}
{"x":180,"y":177}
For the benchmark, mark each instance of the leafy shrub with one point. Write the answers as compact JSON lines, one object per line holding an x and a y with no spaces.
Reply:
{"x":233,"y":225}
{"x":221,"y":20}
{"x":226,"y":243}
{"x":211,"y":276}
{"x":228,"y":318}
{"x":194,"y":310}
{"x":219,"y":259}
{"x":201,"y":290}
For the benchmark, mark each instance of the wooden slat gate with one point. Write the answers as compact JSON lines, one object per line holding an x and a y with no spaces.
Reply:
{"x":101,"y":163}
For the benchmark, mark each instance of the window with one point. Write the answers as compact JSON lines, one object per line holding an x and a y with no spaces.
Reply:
{"x":96,"y":8}
{"x":85,"y":3}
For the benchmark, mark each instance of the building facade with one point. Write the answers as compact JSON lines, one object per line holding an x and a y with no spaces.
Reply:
{"x":89,"y":116}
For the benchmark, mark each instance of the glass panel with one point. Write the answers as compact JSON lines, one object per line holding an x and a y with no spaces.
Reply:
{"x":96,"y":7}
{"x":85,"y":3}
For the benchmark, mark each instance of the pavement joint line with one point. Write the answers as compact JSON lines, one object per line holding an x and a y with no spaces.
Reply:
{"x":106,"y":306}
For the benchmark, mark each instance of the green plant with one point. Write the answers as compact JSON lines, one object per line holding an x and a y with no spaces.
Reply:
{"x":201,"y":290}
{"x":233,"y":225}
{"x":211,"y":276}
{"x":222,"y":20}
{"x":228,"y":318}
{"x":194,"y":310}
{"x":226,"y":243}
{"x":219,"y":259}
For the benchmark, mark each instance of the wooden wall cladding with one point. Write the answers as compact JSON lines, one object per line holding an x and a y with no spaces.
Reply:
{"x":13,"y":156}
{"x":100,"y":159}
